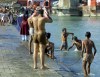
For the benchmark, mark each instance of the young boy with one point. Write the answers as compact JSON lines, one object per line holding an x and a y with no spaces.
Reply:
{"x":49,"y":46}
{"x":64,"y":36}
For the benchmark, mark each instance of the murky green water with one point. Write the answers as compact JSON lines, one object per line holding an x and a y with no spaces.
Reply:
{"x":77,"y":25}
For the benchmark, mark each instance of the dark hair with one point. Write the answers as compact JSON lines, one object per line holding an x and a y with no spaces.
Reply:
{"x":48,"y":35}
{"x":75,"y":38}
{"x":40,"y":11}
{"x":63,"y":29}
{"x":29,"y":2}
{"x":25,"y":17}
{"x":26,"y":11}
{"x":88,"y":34}
{"x":46,"y":3}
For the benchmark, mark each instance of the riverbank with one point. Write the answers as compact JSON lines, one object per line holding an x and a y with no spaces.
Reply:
{"x":15,"y":60}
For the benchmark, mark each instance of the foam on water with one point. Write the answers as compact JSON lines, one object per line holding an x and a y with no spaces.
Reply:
{"x":91,"y":74}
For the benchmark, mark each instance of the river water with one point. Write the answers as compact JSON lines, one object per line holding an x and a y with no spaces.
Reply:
{"x":78,"y":25}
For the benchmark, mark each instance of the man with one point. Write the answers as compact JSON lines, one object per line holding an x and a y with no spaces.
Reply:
{"x":88,"y":56}
{"x":39,"y":37}
{"x":31,"y":32}
{"x":77,"y":43}
{"x":64,"y":36}
{"x":49,"y":46}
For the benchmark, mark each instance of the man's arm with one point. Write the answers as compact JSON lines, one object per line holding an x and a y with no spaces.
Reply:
{"x":48,"y":19}
{"x":94,"y":49}
{"x":30,"y":22}
{"x":71,"y":34}
{"x":31,"y":27}
{"x":83,"y":48}
{"x":71,"y":46}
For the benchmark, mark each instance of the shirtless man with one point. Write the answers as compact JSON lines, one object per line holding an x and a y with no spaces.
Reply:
{"x":49,"y":46}
{"x":77,"y":43}
{"x":64,"y":36}
{"x":88,"y":56}
{"x":39,"y":37}
{"x":31,"y":30}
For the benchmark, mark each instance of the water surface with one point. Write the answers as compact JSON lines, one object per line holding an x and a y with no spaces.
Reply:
{"x":77,"y":25}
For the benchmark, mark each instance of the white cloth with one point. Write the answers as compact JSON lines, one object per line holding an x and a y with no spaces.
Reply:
{"x":76,"y":49}
{"x":24,"y":37}
{"x":31,"y":31}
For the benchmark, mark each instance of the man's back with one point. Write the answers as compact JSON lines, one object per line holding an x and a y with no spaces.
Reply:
{"x":88,"y":46}
{"x":39,"y":23}
{"x":88,"y":57}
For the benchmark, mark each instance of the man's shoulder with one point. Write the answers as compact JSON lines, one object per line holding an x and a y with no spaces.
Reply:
{"x":34,"y":18}
{"x":83,"y":41}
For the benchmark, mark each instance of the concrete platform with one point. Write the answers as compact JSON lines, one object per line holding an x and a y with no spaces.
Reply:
{"x":15,"y":60}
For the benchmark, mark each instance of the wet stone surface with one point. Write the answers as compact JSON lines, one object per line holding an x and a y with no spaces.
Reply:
{"x":15,"y":60}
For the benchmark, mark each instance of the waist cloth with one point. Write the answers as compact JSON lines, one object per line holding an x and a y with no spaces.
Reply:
{"x":39,"y":38}
{"x":88,"y":57}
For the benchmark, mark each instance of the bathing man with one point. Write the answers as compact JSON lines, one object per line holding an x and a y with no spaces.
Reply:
{"x":64,"y":36}
{"x":77,"y":43}
{"x":39,"y":37}
{"x":87,"y":54}
{"x":31,"y":30}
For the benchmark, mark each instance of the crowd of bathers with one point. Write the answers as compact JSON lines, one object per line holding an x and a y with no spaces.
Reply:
{"x":6,"y":16}
{"x":41,"y":39}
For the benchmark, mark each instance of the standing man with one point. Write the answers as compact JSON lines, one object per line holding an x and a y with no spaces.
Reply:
{"x":31,"y":30}
{"x":39,"y":37}
{"x":88,"y":56}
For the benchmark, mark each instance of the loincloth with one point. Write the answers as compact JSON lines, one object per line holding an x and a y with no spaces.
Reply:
{"x":31,"y":31}
{"x":39,"y":38}
{"x":88,"y":57}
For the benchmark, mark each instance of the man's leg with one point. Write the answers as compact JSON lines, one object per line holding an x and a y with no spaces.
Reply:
{"x":30,"y":44}
{"x":88,"y":69}
{"x":62,"y":46}
{"x":66,"y":45}
{"x":42,"y":50}
{"x":35,"y":55}
{"x":84,"y":68}
{"x":52,"y":51}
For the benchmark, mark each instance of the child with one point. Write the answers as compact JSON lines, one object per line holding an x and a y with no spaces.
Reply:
{"x":24,"y":28}
{"x":64,"y":36}
{"x":49,"y":46}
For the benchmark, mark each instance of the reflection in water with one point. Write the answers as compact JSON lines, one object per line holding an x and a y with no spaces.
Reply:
{"x":77,"y":25}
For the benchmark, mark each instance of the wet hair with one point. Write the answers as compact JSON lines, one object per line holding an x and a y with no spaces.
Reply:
{"x":88,"y":34}
{"x":75,"y":38}
{"x":63,"y":29}
{"x":48,"y":35}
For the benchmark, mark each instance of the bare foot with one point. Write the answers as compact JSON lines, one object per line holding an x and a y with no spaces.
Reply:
{"x":44,"y":68}
{"x":30,"y":53}
{"x":35,"y":67}
{"x":85,"y":75}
